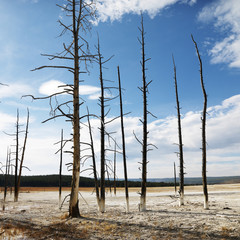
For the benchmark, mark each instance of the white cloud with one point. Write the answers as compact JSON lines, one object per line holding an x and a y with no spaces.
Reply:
{"x":115,"y":9}
{"x":226,"y":18}
{"x":223,"y":137}
{"x":16,"y":90}
{"x":54,"y":86}
{"x":51,"y":87}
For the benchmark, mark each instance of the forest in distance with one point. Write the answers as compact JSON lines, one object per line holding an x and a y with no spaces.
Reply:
{"x":53,"y":181}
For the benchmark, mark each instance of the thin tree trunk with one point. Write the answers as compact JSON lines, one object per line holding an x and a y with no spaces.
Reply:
{"x":175,"y":180}
{"x":102,"y":132}
{"x":204,"y":152}
{"x":181,"y":172}
{"x":73,"y":204}
{"x":60,"y":169}
{"x":23,"y":154}
{"x":144,"y":122}
{"x":94,"y":162}
{"x":16,"y":160}
{"x":123,"y":143}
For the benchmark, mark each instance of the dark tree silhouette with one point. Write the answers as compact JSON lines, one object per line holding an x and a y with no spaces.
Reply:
{"x":204,"y":143}
{"x":180,"y":143}
{"x":123,"y":142}
{"x":93,"y":160}
{"x":144,"y":143}
{"x":22,"y":157}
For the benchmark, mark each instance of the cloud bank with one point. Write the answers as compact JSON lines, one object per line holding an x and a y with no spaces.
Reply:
{"x":114,"y":9}
{"x":225,"y":16}
{"x":223,"y":137}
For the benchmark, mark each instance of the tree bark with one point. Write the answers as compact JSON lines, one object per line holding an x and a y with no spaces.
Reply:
{"x":73,"y":204}
{"x":102,"y":132}
{"x":144,"y":122}
{"x":204,"y":151}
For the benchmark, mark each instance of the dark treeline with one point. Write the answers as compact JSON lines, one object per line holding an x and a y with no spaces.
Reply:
{"x":53,"y":181}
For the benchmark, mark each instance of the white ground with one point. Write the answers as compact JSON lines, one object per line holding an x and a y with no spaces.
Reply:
{"x":37,"y":216}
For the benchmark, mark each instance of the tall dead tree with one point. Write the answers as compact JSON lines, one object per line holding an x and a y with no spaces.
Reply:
{"x":93,"y":160}
{"x":77,"y":51}
{"x":16,"y":160}
{"x":22,"y":157}
{"x":102,"y":134}
{"x":144,"y":121}
{"x":60,"y":169}
{"x":103,"y":100}
{"x":123,"y":142}
{"x":180,"y":143}
{"x":175,"y":179}
{"x":114,"y":170}
{"x":204,"y":143}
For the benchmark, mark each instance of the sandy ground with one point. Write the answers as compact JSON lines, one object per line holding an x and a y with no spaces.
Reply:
{"x":37,"y":215}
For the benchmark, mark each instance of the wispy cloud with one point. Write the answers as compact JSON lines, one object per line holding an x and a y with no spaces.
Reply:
{"x":16,"y":90}
{"x":115,"y":9}
{"x":226,"y":18}
{"x":54,"y":86}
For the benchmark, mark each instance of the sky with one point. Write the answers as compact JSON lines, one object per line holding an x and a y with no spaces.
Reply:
{"x":30,"y":28}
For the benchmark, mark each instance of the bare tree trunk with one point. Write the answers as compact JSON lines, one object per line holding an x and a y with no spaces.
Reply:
{"x":123,"y":143}
{"x":180,"y":144}
{"x":60,"y":170}
{"x":73,"y":204}
{"x":23,"y":154}
{"x":94,"y":162}
{"x":16,"y":161}
{"x":175,"y":180}
{"x":144,"y":122}
{"x":102,"y":132}
{"x":204,"y":154}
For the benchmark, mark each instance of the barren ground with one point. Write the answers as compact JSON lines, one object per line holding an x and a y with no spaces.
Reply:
{"x":37,"y":215}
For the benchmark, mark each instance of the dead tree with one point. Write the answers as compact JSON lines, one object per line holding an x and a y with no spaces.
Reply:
{"x":81,"y":12}
{"x":114,"y":170}
{"x":123,"y":142}
{"x":204,"y":143}
{"x":22,"y":157}
{"x":16,"y":160}
{"x":175,"y":179}
{"x":144,"y":121}
{"x":94,"y":161}
{"x":103,"y":100}
{"x":180,"y":143}
{"x":60,"y":168}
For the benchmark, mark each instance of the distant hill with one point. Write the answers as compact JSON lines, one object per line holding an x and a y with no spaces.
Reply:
{"x":53,"y":181}
{"x":198,"y":180}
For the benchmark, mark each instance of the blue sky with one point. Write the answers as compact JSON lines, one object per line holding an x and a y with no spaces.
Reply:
{"x":30,"y":27}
